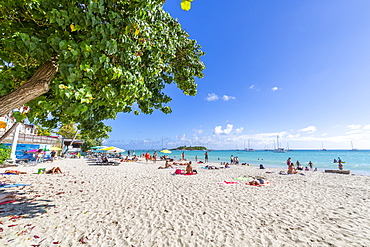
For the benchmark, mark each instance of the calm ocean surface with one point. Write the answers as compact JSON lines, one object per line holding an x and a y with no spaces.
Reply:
{"x":358,"y":162}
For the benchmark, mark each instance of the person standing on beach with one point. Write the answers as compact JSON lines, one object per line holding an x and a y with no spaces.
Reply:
{"x":196,"y":158}
{"x":147,"y":157}
{"x":288,"y":162}
{"x":128,"y":153}
{"x":206,"y":157}
{"x":155,"y":157}
{"x":183,"y":156}
{"x":52,"y":155}
{"x":231,"y":159}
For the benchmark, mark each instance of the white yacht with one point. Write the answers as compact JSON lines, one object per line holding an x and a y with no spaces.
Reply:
{"x":278,"y":149}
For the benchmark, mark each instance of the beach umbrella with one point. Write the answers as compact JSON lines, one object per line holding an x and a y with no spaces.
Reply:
{"x":98,"y":147}
{"x":2,"y":125}
{"x":108,"y":148}
{"x":116,"y":150}
{"x":166,"y":151}
{"x":34,"y":151}
{"x":55,"y":148}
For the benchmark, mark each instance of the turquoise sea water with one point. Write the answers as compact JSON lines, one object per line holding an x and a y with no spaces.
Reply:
{"x":358,"y":162}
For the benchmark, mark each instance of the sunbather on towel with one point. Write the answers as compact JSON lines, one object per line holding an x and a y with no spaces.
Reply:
{"x":14,"y":172}
{"x":54,"y":170}
{"x":254,"y":182}
{"x":189,"y":169}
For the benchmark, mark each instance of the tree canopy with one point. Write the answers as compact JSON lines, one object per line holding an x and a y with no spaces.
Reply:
{"x":86,"y":61}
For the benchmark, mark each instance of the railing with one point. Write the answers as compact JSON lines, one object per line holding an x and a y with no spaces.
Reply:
{"x":31,"y":139}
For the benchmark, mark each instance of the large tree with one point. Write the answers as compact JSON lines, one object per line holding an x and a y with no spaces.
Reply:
{"x":85,"y":61}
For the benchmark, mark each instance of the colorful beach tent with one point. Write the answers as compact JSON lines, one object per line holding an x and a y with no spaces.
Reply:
{"x":166,"y":151}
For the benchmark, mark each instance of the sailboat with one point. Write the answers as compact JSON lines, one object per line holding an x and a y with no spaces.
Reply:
{"x":249,"y":149}
{"x":278,"y":149}
{"x":287,"y":147}
{"x":353,"y":149}
{"x":322,"y":147}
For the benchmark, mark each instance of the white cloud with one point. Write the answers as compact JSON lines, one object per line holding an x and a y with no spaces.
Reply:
{"x":227,"y":98}
{"x":367,"y":127}
{"x":198,"y":131}
{"x":354,"y":126}
{"x":251,"y":87}
{"x":239,"y":130}
{"x":212,"y":97}
{"x":309,"y":129}
{"x":274,"y":88}
{"x":218,"y":130}
{"x":353,"y":132}
{"x":290,"y":136}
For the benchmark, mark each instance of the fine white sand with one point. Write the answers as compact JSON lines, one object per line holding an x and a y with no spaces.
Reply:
{"x":136,"y":204}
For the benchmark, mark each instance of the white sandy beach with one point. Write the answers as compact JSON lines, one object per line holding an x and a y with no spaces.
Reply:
{"x":136,"y":204}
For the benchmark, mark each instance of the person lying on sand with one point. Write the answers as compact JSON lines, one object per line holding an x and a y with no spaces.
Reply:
{"x":54,"y":170}
{"x":254,"y":182}
{"x":211,"y":167}
{"x":14,"y":172}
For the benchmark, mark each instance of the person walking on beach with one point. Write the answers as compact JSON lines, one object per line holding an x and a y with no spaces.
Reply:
{"x":206,"y":157}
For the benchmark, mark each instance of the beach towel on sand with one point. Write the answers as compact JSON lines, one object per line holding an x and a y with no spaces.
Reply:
{"x":1,"y":203}
{"x":12,"y":185}
{"x":227,"y":183}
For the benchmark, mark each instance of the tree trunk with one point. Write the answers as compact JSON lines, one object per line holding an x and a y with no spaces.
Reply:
{"x":37,"y":85}
{"x":8,"y":132}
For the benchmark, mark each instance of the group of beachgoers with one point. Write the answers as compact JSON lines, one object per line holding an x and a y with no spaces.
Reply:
{"x":298,"y":166}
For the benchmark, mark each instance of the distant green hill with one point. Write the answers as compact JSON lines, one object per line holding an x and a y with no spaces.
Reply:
{"x":190,"y":148}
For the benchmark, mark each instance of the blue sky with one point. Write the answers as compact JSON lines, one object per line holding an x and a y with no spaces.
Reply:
{"x":297,"y":69}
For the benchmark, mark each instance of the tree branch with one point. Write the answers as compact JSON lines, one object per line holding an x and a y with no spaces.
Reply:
{"x":37,"y":85}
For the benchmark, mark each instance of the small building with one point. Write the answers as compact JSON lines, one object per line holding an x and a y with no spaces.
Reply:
{"x":75,"y":147}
